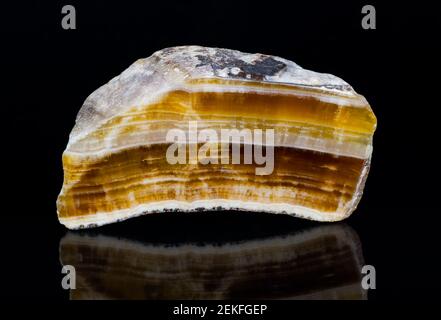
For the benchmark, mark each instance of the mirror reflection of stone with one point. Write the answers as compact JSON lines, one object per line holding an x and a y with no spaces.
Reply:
{"x":322,"y":262}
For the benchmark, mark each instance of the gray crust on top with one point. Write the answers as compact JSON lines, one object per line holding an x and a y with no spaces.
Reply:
{"x":147,"y":79}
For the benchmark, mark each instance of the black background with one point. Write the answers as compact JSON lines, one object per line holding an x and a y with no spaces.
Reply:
{"x":48,"y":72}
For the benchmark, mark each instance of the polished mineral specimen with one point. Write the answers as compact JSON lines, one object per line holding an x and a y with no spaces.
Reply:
{"x":116,"y":164}
{"x":320,"y":263}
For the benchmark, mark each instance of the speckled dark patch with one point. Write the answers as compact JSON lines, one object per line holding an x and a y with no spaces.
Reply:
{"x":257,"y":70}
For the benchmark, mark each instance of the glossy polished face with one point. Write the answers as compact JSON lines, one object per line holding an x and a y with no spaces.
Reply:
{"x":303,"y":177}
{"x":312,"y":162}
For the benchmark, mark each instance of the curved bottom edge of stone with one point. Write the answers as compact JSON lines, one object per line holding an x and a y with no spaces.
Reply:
{"x":103,"y":218}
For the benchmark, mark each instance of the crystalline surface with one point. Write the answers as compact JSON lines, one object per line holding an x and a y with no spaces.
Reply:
{"x":115,"y":162}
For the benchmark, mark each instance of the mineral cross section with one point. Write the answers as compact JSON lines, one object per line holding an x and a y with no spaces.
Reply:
{"x":115,"y":163}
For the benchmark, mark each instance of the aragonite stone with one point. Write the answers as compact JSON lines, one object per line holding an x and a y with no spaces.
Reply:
{"x":116,"y":163}
{"x":321,"y":263}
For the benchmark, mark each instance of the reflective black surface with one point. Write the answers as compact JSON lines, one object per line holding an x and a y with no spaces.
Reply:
{"x":319,"y":262}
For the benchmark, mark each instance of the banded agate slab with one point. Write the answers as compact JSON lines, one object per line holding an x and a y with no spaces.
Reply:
{"x":115,"y":164}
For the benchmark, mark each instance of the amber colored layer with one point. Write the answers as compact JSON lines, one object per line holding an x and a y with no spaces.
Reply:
{"x":284,"y":108}
{"x":142,"y":175}
{"x":263,"y":110}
